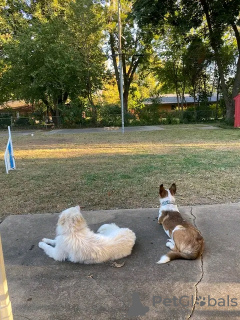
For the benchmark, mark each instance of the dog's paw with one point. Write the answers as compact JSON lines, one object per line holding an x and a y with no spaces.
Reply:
{"x":170,"y":244}
{"x":50,"y":242}
{"x":41,"y":244}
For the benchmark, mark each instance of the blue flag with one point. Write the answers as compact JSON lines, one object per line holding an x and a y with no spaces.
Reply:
{"x":9,"y":156}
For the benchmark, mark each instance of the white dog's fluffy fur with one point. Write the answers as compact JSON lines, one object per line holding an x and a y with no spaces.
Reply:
{"x":77,"y":243}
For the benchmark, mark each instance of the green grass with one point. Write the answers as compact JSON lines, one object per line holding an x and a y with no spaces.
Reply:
{"x":111,"y":170}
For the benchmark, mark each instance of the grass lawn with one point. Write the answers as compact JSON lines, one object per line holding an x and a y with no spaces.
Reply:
{"x":109,"y":170}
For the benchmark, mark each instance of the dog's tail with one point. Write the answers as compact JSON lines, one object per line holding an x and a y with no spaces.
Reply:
{"x":190,"y":252}
{"x":173,"y":255}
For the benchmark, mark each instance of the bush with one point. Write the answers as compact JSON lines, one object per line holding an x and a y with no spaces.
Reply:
{"x":148,"y":114}
{"x":22,"y":122}
{"x":71,"y":114}
{"x":203,"y":113}
{"x":5,"y":120}
{"x":110,"y":115}
{"x":135,"y":122}
{"x":172,"y":118}
{"x":188,"y":115}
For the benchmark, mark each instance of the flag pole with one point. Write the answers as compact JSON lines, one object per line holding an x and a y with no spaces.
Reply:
{"x":120,"y":61}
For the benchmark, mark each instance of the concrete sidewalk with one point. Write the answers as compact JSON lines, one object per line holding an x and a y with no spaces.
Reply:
{"x":106,"y":129}
{"x":43,"y":289}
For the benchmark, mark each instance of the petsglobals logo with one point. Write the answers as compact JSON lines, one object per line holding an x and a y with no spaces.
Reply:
{"x":205,"y":304}
{"x":217,"y":302}
{"x":188,"y":301}
{"x":137,"y":308}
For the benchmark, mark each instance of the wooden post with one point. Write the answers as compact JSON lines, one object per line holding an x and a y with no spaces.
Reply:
{"x":5,"y":304}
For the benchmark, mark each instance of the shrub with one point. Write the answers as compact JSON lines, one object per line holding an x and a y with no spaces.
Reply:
{"x":110,"y":115}
{"x":5,"y":120}
{"x":188,"y":115}
{"x":72,"y":114}
{"x":22,"y":122}
{"x":149,"y":114}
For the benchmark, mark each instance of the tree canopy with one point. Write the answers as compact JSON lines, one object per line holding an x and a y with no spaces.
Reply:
{"x":56,"y":55}
{"x":59,"y":51}
{"x":214,"y":17}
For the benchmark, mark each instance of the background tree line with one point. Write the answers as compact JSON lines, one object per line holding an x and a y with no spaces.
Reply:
{"x":62,"y":56}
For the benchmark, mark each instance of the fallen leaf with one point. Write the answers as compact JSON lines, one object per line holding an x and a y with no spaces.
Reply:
{"x":117,"y":265}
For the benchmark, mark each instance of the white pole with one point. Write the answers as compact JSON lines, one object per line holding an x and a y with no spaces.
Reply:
{"x":9,"y":132}
{"x":5,"y":303}
{"x":120,"y":61}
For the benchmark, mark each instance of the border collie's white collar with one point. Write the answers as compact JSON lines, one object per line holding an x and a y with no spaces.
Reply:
{"x":167,"y":204}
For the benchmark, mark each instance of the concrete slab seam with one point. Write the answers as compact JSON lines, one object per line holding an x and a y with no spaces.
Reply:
{"x":202,"y":271}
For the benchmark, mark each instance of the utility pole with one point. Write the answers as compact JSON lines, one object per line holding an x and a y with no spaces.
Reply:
{"x":120,"y":61}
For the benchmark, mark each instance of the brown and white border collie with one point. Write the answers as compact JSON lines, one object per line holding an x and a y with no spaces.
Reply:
{"x":185,"y":240}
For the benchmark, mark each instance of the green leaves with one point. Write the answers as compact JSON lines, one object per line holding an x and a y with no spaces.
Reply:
{"x":212,"y":20}
{"x":56,"y":55}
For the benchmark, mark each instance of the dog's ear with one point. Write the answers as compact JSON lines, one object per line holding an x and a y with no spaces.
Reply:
{"x":162,"y":192}
{"x":173,"y":189}
{"x":78,"y":208}
{"x":78,"y":222}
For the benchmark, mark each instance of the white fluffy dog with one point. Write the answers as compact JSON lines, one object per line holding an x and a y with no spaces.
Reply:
{"x":77,"y":243}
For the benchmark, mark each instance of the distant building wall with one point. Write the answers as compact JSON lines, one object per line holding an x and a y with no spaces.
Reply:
{"x":169,"y":102}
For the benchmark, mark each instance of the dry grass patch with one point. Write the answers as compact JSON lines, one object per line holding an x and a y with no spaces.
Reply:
{"x":111,"y":170}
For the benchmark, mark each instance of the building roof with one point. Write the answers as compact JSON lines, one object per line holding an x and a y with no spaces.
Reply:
{"x":172,"y":99}
{"x":14,"y":104}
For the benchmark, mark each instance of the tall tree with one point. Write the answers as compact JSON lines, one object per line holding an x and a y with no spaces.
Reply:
{"x":197,"y":59}
{"x":171,"y":67}
{"x":220,"y":15}
{"x":136,"y":45}
{"x":57,"y":56}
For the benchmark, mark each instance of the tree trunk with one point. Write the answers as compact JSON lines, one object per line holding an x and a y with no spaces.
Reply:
{"x":228,"y":102}
{"x":236,"y":84}
{"x":57,"y":119}
{"x":194,"y":103}
{"x":94,"y":110}
{"x":177,"y":94}
{"x":62,"y":98}
{"x":128,"y":71}
{"x":218,"y":85}
{"x":125,"y":100}
{"x":114,"y":60}
{"x":45,"y":101}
